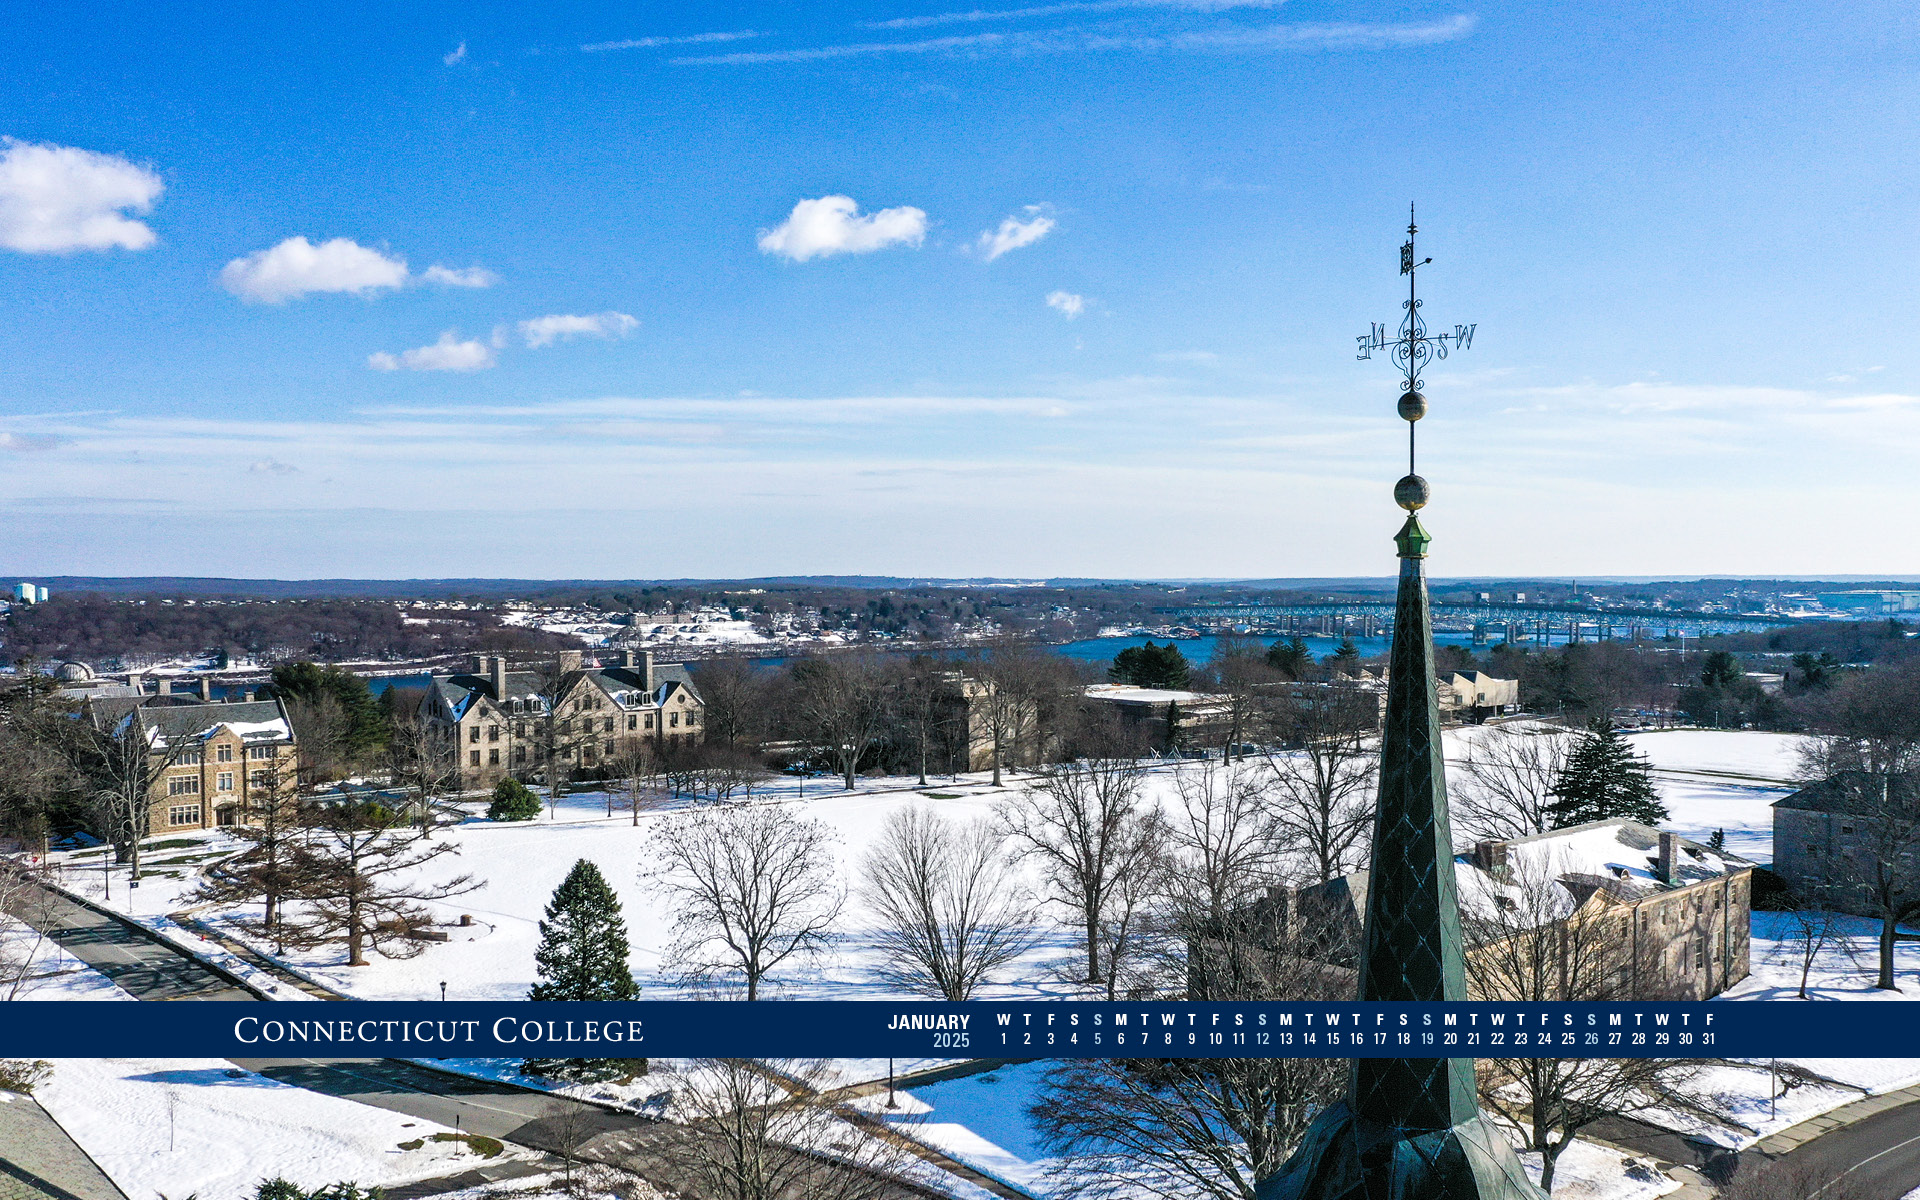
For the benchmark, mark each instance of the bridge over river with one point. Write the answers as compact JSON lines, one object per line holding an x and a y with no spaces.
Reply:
{"x":1513,"y":621}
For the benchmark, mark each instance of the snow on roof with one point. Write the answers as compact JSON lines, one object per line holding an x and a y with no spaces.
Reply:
{"x":1619,"y":857}
{"x":1127,"y":694}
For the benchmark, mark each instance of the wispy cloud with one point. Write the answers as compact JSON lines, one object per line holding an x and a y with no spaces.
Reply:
{"x":834,"y":225}
{"x":58,"y":199}
{"x":690,"y":39}
{"x":560,"y":327}
{"x":1067,"y":304}
{"x":470,"y":277}
{"x":1015,"y":232}
{"x":1074,"y":8}
{"x":447,"y":354}
{"x":456,"y":55}
{"x":1254,"y":39}
{"x":25,"y":443}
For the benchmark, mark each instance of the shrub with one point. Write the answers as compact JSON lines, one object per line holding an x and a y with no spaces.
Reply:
{"x":513,"y":801}
{"x":23,"y":1074}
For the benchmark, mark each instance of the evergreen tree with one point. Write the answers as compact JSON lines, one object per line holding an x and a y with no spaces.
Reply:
{"x":1290,"y":658}
{"x":583,"y":942}
{"x":1604,"y":780}
{"x":1346,"y":657}
{"x":1151,"y":666}
{"x":513,"y":801}
{"x":1717,"y":841}
{"x":366,"y":720}
{"x":1722,"y":671}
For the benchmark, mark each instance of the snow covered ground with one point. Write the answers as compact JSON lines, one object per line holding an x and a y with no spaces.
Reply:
{"x":53,"y":974}
{"x":179,"y":1127}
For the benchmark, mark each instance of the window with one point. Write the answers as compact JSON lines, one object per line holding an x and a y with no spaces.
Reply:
{"x":649,"y":720}
{"x":258,"y":752}
{"x":258,"y":779}
{"x":184,"y":814}
{"x":224,"y":783}
{"x":519,"y":729}
{"x":608,"y":749}
{"x":608,"y":726}
{"x":473,"y":734}
{"x":184,"y":785}
{"x":675,"y":720}
{"x":223,"y":754}
{"x":493,"y":758}
{"x":566,"y":726}
{"x":473,"y":760}
{"x":633,"y":721}
{"x":493,"y":733}
{"x":1846,"y":829}
{"x":693,"y":718}
{"x":188,"y":758}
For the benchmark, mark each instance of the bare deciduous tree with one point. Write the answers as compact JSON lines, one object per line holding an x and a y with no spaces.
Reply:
{"x":361,"y":884}
{"x":636,"y":765}
{"x":125,"y":763}
{"x":1812,"y":927}
{"x":1186,"y":1129}
{"x":420,"y":759}
{"x":765,"y":1130}
{"x":1529,"y":941}
{"x":22,"y":898}
{"x":749,"y":889}
{"x":840,"y":703}
{"x":950,"y":910}
{"x":1325,"y":776}
{"x":271,"y":868}
{"x":1086,"y":825}
{"x":1506,"y":790}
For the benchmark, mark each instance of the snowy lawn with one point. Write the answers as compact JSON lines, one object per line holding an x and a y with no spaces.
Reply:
{"x":53,"y":974}
{"x":179,"y":1126}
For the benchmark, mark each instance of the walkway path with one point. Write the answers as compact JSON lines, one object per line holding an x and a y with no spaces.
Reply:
{"x":143,"y":965}
{"x":38,"y":1161}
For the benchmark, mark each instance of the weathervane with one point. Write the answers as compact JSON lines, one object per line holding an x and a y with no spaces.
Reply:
{"x":1412,"y":350}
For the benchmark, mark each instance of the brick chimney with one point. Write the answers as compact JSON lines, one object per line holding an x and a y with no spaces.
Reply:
{"x":206,"y":689}
{"x":646,"y":669}
{"x":570,"y":660}
{"x":1666,"y":857}
{"x":497,"y":675}
{"x":1491,"y":856}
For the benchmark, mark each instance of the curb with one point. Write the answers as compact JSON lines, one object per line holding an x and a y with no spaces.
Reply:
{"x":156,"y":937}
{"x":1793,"y":1137}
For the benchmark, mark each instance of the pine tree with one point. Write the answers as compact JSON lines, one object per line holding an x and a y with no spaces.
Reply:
{"x":1291,"y":658}
{"x":513,"y":801}
{"x":1604,"y":780}
{"x":1346,"y":656}
{"x":583,"y":942}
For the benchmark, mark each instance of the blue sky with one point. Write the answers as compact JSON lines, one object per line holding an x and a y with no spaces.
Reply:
{"x":487,"y":290}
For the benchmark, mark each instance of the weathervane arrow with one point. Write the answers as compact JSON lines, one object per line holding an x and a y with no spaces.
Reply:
{"x":1413,"y":347}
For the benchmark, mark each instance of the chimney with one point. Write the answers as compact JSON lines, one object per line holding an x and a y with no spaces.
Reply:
{"x":247,"y":696}
{"x":497,"y":673}
{"x":1666,"y":857}
{"x":646,"y":669}
{"x":137,"y":681}
{"x":479,"y":666}
{"x":626,"y":657}
{"x":206,"y":689}
{"x":166,"y":686}
{"x":570,"y":660}
{"x":1491,"y":856}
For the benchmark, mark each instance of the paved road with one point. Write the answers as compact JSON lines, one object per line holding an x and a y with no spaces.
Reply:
{"x":1877,"y":1158}
{"x":143,"y":965}
{"x":654,"y":1150}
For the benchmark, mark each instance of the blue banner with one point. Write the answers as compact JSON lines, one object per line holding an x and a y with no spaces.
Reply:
{"x":880,"y":1029}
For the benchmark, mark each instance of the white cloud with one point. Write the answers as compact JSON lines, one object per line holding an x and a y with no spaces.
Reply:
{"x":832,"y":225}
{"x":1074,"y":6}
{"x":1015,"y":232}
{"x":544,"y":331}
{"x":273,"y":466}
{"x":1069,"y":304}
{"x":56,"y":199}
{"x":297,"y":267}
{"x":447,"y":354}
{"x":646,"y":43}
{"x":25,"y":443}
{"x":471,"y":277}
{"x":457,"y":54}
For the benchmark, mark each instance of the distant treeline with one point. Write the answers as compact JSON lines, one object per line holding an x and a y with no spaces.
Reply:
{"x":130,"y":634}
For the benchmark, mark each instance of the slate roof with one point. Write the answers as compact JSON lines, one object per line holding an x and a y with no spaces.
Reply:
{"x":626,"y":684}
{"x":1850,"y":792}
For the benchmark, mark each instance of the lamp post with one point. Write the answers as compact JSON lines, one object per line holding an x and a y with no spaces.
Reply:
{"x":443,"y":989}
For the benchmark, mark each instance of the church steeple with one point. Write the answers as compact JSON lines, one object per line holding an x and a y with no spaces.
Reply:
{"x":1410,"y":1128}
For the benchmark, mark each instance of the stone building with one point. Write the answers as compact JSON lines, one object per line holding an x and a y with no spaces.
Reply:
{"x":1168,"y":719}
{"x":1650,"y":915}
{"x":495,"y":720}
{"x":223,"y":761}
{"x":1826,"y":834}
